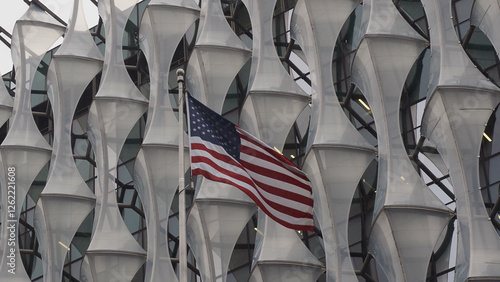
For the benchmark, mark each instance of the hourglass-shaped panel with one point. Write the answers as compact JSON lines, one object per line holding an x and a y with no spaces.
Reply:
{"x":271,"y":107}
{"x":401,"y":193}
{"x":156,"y":169}
{"x":220,"y":211}
{"x":460,"y":102}
{"x":66,"y":199}
{"x":24,"y":151}
{"x":113,"y":254}
{"x":337,"y":154}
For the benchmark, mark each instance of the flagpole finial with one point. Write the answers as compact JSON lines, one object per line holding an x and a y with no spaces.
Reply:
{"x":180,"y":75}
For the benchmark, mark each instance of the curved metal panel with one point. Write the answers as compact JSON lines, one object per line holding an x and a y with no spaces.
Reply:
{"x":461,"y":102}
{"x":217,"y":57}
{"x":66,"y":199}
{"x":334,"y":184}
{"x":111,"y":243}
{"x":213,"y":228}
{"x":163,"y":25}
{"x":383,"y":60}
{"x":447,"y":54}
{"x":113,"y":254}
{"x":271,"y":107}
{"x":274,"y":100}
{"x":485,"y":16}
{"x":24,"y":150}
{"x":279,"y":251}
{"x":220,"y":211}
{"x":156,"y":177}
{"x":219,"y":214}
{"x":315,"y":27}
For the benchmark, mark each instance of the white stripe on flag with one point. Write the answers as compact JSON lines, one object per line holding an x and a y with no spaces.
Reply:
{"x":251,"y":189}
{"x":267,"y":196}
{"x":269,"y":165}
{"x":225,"y":165}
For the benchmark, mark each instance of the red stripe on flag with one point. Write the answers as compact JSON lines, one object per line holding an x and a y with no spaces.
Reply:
{"x":208,"y":175}
{"x":284,"y":193}
{"x":273,"y":174}
{"x":273,"y":182}
{"x":276,"y":206}
{"x":286,"y":163}
{"x":222,"y":157}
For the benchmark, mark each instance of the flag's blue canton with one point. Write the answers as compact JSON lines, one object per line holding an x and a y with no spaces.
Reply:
{"x":213,"y":128}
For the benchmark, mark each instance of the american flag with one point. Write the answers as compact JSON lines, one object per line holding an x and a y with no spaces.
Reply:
{"x":223,"y":152}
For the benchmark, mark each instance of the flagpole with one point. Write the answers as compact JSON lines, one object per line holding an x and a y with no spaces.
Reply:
{"x":182,"y":199}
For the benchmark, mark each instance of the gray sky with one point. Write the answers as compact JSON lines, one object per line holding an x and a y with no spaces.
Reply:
{"x":14,"y":9}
